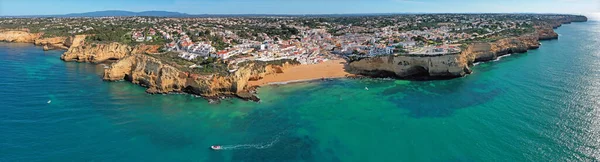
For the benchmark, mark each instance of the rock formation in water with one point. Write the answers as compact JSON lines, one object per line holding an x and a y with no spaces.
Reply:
{"x":160,"y":77}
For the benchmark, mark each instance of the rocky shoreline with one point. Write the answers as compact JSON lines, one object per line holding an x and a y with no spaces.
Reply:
{"x":450,"y":66}
{"x":137,"y":65}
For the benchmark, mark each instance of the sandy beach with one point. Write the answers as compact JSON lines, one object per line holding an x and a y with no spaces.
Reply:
{"x":328,"y":69}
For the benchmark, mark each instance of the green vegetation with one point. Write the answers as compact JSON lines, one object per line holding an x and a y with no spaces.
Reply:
{"x":479,"y":31}
{"x":109,"y":34}
{"x":400,"y":49}
{"x":218,"y":42}
{"x":418,"y":26}
{"x":284,"y":32}
{"x":208,"y":66}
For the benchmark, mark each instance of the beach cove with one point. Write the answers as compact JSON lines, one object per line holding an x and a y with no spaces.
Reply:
{"x":301,"y":73}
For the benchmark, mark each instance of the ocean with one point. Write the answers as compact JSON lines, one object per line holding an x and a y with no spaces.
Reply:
{"x":543,"y":105}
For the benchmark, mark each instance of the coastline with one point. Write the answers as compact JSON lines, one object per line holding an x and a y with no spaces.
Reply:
{"x":243,"y":84}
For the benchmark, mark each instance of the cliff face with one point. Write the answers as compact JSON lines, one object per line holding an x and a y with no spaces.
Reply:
{"x":479,"y":52}
{"x":445,"y":66}
{"x":52,"y":43}
{"x":75,"y":41}
{"x":81,"y":52}
{"x":457,"y":65}
{"x":160,"y":77}
{"x":19,"y":36}
{"x":23,"y":36}
{"x":96,"y":52}
{"x":546,"y":34}
{"x":442,"y":66}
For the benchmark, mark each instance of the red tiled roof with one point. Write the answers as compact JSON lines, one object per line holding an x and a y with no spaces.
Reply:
{"x":222,"y":52}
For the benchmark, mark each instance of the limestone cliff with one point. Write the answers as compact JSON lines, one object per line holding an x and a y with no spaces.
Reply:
{"x":442,"y":66}
{"x":81,"y":51}
{"x":96,"y":52}
{"x":75,"y":41}
{"x":412,"y":67}
{"x":479,"y":52}
{"x":19,"y":36}
{"x":52,"y":43}
{"x":160,"y":77}
{"x":546,"y":34}
{"x":24,"y":36}
{"x":456,"y":65}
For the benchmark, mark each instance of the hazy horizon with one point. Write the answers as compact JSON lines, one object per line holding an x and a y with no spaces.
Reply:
{"x":306,"y":7}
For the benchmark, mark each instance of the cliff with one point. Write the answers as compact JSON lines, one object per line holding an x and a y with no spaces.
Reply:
{"x":52,"y":43}
{"x":456,"y":65}
{"x":81,"y":51}
{"x":160,"y":77}
{"x":412,"y":67}
{"x":23,"y":36}
{"x":480,"y":52}
{"x":441,"y":66}
{"x":546,"y":34}
{"x":19,"y":36}
{"x":96,"y":53}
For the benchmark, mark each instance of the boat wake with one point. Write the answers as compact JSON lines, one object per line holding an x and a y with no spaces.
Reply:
{"x":253,"y":146}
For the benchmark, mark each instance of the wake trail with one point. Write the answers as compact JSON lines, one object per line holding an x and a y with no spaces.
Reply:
{"x":253,"y":146}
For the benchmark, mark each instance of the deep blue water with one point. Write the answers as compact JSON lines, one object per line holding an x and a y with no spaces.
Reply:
{"x":543,"y":105}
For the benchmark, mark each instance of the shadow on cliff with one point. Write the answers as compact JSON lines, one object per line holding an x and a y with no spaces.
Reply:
{"x":418,"y":73}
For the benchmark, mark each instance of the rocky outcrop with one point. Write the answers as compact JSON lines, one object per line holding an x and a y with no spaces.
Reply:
{"x":456,"y":65}
{"x":441,"y":66}
{"x":546,"y":34}
{"x":480,"y":52}
{"x":97,"y":52}
{"x":23,"y":36}
{"x":75,"y":41}
{"x":412,"y":67}
{"x":160,"y":77}
{"x":19,"y":36}
{"x":52,"y":43}
{"x":145,"y":49}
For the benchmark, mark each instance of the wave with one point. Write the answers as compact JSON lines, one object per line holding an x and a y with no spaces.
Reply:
{"x":497,"y":59}
{"x":500,"y":57}
{"x":105,"y":66}
{"x":296,"y":81}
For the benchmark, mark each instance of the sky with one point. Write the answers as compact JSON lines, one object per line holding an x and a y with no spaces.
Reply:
{"x":54,"y":7}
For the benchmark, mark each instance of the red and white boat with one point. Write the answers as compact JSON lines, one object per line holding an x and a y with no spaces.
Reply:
{"x":216,"y":147}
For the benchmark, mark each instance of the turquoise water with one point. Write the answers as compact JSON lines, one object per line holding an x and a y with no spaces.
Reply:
{"x":543,"y":105}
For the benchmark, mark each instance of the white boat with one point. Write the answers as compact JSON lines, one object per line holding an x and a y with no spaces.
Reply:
{"x":366,"y":88}
{"x":216,"y":147}
{"x":49,"y":101}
